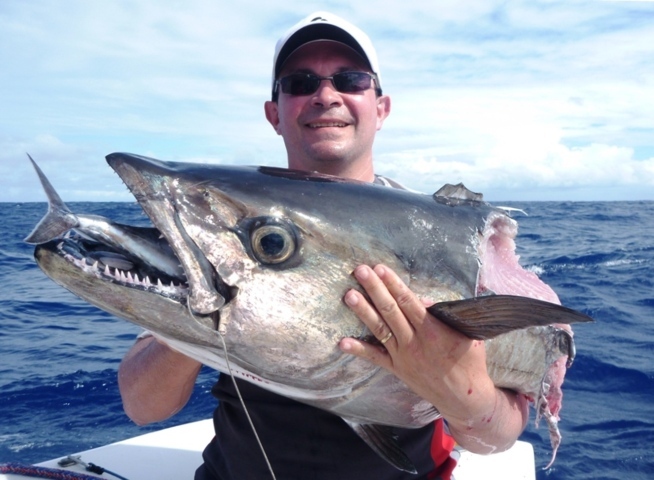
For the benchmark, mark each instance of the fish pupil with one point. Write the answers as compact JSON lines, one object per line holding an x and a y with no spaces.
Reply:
{"x":272,"y":244}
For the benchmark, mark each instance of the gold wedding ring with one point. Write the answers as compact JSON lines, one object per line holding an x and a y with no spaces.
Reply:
{"x":386,"y":338}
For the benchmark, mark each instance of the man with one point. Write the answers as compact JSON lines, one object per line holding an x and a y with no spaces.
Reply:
{"x":327,"y":105}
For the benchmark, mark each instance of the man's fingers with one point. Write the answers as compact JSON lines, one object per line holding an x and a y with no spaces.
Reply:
{"x":369,"y":316}
{"x":373,"y":353}
{"x":410,"y":306}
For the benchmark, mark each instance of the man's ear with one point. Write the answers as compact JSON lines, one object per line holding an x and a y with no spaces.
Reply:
{"x":383,"y":109}
{"x":272,"y":114}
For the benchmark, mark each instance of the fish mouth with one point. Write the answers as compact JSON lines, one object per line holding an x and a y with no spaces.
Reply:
{"x":106,"y":263}
{"x":154,"y":186}
{"x":92,"y":247}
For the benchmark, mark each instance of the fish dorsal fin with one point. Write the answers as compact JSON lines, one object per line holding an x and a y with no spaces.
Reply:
{"x":457,"y":194}
{"x":482,"y":318}
{"x":384,"y":442}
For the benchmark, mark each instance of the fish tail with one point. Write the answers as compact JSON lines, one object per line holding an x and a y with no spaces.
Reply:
{"x":58,"y":220}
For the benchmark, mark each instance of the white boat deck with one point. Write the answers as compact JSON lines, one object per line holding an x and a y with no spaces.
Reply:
{"x":174,"y":454}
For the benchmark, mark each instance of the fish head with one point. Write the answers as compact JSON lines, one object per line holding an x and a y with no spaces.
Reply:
{"x":264,"y":256}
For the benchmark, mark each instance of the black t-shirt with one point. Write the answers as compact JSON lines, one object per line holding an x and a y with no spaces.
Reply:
{"x":301,"y":442}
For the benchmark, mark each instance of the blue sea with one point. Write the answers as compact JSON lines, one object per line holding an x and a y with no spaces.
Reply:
{"x":59,"y":355}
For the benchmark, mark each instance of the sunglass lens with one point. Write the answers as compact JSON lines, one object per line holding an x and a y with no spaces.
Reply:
{"x":300,"y":84}
{"x":307,"y":83}
{"x":350,"y":82}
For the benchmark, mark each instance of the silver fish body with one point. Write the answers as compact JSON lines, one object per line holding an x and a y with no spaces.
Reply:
{"x":267,"y":256}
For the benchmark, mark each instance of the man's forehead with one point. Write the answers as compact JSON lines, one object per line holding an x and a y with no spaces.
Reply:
{"x":313,"y":53}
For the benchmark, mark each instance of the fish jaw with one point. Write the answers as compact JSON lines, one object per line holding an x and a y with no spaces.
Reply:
{"x":150,"y":304}
{"x":156,"y":194}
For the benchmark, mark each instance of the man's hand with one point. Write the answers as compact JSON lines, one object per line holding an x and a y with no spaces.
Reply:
{"x":438,"y":363}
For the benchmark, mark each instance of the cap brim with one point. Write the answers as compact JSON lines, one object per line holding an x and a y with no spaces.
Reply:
{"x":312,"y":33}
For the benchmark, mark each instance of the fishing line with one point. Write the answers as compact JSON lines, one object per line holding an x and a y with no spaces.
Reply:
{"x":247,"y":414}
{"x":240,"y":397}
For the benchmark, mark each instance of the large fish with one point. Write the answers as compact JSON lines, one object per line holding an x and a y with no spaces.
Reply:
{"x":266,"y":256}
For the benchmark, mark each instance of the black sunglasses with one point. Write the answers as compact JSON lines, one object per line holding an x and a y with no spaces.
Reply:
{"x":308,"y":83}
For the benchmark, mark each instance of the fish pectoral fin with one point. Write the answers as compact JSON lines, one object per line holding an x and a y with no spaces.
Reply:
{"x":384,"y":442}
{"x":482,"y":318}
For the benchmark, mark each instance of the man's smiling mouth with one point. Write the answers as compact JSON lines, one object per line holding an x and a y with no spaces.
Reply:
{"x":326,"y":124}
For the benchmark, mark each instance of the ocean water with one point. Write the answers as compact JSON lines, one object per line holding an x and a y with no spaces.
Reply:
{"x":59,"y":355}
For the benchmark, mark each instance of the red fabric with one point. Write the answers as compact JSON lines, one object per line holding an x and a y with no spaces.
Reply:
{"x":442,"y":445}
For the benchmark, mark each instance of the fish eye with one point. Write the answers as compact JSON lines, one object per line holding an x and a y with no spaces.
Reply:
{"x":272,"y":244}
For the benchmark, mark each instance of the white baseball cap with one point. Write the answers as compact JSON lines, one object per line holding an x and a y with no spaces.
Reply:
{"x":324,"y":26}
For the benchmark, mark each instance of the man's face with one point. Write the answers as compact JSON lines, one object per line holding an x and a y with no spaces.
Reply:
{"x":326,"y":130}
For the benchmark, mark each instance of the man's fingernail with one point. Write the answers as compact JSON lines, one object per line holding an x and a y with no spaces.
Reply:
{"x":361,"y":272}
{"x":351,"y":299}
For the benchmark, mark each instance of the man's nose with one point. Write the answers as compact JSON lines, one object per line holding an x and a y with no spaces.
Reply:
{"x":327,"y":95}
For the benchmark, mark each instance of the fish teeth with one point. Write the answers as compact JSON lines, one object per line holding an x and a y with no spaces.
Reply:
{"x":131,"y":278}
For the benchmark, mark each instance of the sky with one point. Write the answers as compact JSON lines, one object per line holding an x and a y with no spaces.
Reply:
{"x":520,"y":100}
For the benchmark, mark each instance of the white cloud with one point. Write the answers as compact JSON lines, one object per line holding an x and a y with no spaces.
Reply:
{"x":512,"y":98}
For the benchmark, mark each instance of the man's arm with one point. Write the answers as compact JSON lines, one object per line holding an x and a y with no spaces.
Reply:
{"x":155,"y":381}
{"x":438,"y":363}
